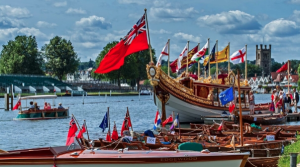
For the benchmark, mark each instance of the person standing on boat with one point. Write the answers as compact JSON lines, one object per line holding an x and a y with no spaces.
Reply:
{"x":272,"y":105}
{"x":287,"y":102}
{"x":276,"y":102}
{"x":295,"y":99}
{"x":251,"y":103}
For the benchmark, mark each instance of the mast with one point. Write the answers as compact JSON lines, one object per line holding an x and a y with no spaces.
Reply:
{"x":108,"y":115}
{"x":168,"y":57}
{"x":288,"y":75}
{"x":216,"y":59}
{"x":187,"y":58}
{"x":246,"y":73}
{"x":208,"y":53}
{"x":240,"y":108}
{"x":151,"y":59}
{"x":198,"y":62}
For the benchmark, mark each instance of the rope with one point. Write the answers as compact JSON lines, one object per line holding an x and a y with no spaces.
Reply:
{"x":119,"y":140}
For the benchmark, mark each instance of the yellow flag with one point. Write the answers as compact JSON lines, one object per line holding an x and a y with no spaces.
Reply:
{"x":205,"y":60}
{"x":222,"y":56}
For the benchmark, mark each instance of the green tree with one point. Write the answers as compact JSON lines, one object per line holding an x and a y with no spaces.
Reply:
{"x":165,"y":69}
{"x":275,"y":66}
{"x":21,"y":56}
{"x":61,"y":58}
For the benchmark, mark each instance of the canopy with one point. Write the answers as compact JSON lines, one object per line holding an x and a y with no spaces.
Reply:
{"x":39,"y":97}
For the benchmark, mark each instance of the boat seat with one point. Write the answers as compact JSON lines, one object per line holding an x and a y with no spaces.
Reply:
{"x":190,"y":146}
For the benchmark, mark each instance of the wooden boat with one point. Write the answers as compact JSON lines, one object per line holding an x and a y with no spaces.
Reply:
{"x":76,"y":155}
{"x":193,"y":99}
{"x":32,"y":114}
{"x":74,"y":93}
{"x":264,"y":120}
{"x":262,"y":161}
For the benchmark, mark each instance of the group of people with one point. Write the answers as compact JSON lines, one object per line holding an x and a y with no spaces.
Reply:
{"x":47,"y":106}
{"x":284,"y":101}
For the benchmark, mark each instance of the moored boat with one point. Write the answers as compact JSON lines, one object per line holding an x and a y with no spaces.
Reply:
{"x":34,"y":114}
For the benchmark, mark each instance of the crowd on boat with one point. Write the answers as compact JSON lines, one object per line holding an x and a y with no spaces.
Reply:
{"x":282,"y":102}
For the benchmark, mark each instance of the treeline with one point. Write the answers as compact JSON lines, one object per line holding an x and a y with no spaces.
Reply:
{"x":22,"y":56}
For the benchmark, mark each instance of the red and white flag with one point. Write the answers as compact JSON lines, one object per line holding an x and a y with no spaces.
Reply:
{"x":238,"y":56}
{"x":164,"y":52}
{"x":18,"y":104}
{"x":72,"y":131}
{"x":135,"y":40}
{"x":221,"y":126}
{"x":168,"y":120}
{"x":182,"y":54}
{"x":114,"y":134}
{"x":126,"y":123}
{"x":83,"y":130}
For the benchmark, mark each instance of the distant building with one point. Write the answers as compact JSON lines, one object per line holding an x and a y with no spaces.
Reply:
{"x":263,"y":59}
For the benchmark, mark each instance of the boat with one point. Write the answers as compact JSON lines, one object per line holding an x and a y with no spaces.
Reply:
{"x":74,"y":93}
{"x":264,"y":119}
{"x":77,"y":155}
{"x":193,"y":99}
{"x":32,"y":114}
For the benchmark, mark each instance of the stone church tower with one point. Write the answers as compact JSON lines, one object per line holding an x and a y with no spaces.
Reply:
{"x":263,"y":59}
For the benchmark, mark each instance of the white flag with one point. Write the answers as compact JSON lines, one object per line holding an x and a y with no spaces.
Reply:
{"x":182,"y":54}
{"x":164,"y":52}
{"x":238,"y":56}
{"x":201,"y":53}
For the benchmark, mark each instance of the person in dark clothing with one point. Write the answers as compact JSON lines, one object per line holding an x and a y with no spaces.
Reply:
{"x":287,"y":102}
{"x":295,"y":99}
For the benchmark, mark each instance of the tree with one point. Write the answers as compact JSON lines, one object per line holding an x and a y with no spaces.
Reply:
{"x":253,"y":69}
{"x":165,"y":69}
{"x":21,"y":56}
{"x":61,"y":58}
{"x":275,"y":66}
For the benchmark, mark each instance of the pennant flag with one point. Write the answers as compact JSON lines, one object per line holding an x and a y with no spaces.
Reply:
{"x":283,"y":68}
{"x":201,"y":53}
{"x":189,"y":56}
{"x":114,"y":134}
{"x":108,"y":136}
{"x":126,"y":123}
{"x":157,"y":120}
{"x":226,"y":96}
{"x":104,"y":123}
{"x":83,"y":130}
{"x":18,"y":104}
{"x":169,"y":119}
{"x":222,"y":56}
{"x":221,"y":126}
{"x":182,"y":54}
{"x":209,"y":58}
{"x":164,"y":52}
{"x":72,"y":131}
{"x":238,"y":56}
{"x":232,"y":143}
{"x":135,"y":40}
{"x":231,"y":107}
{"x":175,"y":123}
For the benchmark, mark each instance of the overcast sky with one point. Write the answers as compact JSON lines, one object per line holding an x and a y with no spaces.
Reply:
{"x":91,"y":24}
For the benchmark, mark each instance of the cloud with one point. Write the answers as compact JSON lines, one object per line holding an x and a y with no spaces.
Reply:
{"x":167,"y":14}
{"x":232,"y":22}
{"x":161,"y":31}
{"x":11,"y":33}
{"x":187,"y":37}
{"x":161,"y":3}
{"x":60,"y":4}
{"x":75,"y":11}
{"x":14,"y":12}
{"x":88,"y":37}
{"x":6,"y":22}
{"x":43,"y":24}
{"x":281,"y":28}
{"x":294,"y":1}
{"x":296,"y":15}
{"x":93,"y":22}
{"x":88,"y":44}
{"x":139,"y":2}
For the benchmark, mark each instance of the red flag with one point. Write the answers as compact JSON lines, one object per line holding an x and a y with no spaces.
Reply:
{"x":169,"y":119}
{"x":221,"y":126}
{"x":72,"y":131}
{"x":135,"y":40}
{"x":83,"y":129}
{"x":231,"y":107}
{"x":18,"y":104}
{"x":173,"y":65}
{"x":283,"y":68}
{"x":114,"y":134}
{"x":108,"y":137}
{"x":126,"y":123}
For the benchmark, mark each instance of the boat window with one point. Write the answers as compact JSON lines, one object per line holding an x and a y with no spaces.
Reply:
{"x":242,"y":96}
{"x":215,"y":93}
{"x":247,"y":96}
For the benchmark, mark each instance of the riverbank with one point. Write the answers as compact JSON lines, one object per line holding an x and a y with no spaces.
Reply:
{"x":284,"y":160}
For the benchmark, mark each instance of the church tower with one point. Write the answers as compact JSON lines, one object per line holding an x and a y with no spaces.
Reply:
{"x":263,"y":59}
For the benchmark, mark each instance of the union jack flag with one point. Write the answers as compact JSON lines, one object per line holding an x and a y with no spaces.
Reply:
{"x":138,"y":28}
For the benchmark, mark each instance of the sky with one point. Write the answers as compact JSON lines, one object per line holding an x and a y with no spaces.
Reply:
{"x":91,"y":24}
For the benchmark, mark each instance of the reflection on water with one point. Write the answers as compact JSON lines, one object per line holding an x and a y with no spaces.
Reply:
{"x":43,"y":133}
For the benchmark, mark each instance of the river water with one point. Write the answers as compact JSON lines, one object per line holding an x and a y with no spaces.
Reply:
{"x":43,"y":133}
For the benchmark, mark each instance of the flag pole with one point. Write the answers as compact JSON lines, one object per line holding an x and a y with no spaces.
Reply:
{"x":79,"y":129}
{"x":208,"y":52}
{"x":187,"y":58}
{"x":108,"y":120}
{"x":179,"y":126}
{"x":148,"y":36}
{"x":246,"y":73}
{"x":168,"y":57}
{"x":228,"y":57}
{"x":87,"y":132}
{"x":130,"y":119}
{"x":240,"y":108}
{"x":216,"y":59}
{"x":198,"y":62}
{"x":288,"y":75}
